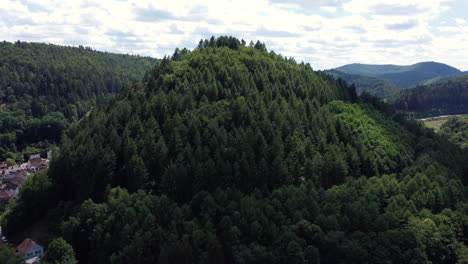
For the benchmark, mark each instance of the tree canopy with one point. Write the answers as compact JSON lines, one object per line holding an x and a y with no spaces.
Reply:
{"x":44,"y":87}
{"x":449,"y":97}
{"x":234,"y":154}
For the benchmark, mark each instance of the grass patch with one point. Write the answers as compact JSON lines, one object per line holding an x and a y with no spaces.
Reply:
{"x":436,"y":122}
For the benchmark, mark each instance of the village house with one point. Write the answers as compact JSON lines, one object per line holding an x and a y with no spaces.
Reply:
{"x":9,"y":189}
{"x":12,"y":177}
{"x":6,"y":196}
{"x":35,"y":162}
{"x":9,"y":186}
{"x":30,"y":250}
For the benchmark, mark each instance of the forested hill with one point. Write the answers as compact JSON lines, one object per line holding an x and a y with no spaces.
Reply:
{"x":43,"y":87}
{"x":44,"y":78}
{"x":233,"y":154}
{"x":215,"y":117}
{"x":401,"y":76}
{"x":450,"y":97}
{"x":375,"y":86}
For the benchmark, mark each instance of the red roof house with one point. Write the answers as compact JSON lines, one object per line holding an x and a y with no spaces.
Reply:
{"x":30,"y":249}
{"x":5,"y":195}
{"x":16,"y":180}
{"x":23,"y":172}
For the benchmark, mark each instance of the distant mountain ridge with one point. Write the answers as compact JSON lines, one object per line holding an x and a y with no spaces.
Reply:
{"x":401,"y":75}
{"x":375,"y":86}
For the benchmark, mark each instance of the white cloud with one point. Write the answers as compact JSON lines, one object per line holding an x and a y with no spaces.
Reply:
{"x":460,"y":21}
{"x":329,"y":9}
{"x":396,"y":7}
{"x":326,"y":33}
{"x":312,"y":5}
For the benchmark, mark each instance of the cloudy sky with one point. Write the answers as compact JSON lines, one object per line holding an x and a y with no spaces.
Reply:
{"x":325,"y":33}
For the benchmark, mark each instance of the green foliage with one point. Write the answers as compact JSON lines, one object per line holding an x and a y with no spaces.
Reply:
{"x":213,"y":117}
{"x":10,"y":162}
{"x":59,"y":252}
{"x":356,"y":222}
{"x":385,"y":143}
{"x":456,"y":129}
{"x":44,"y":87}
{"x":28,"y":151}
{"x":37,"y":195}
{"x":19,"y":131}
{"x":446,"y":78}
{"x":7,"y":255}
{"x":375,"y":86}
{"x":438,"y":99}
{"x":232,"y":154}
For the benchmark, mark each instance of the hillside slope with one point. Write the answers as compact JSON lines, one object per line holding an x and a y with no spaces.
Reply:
{"x":56,"y":76}
{"x":456,"y":129}
{"x":232,"y":154}
{"x":43,"y":87}
{"x":442,"y":79}
{"x":401,"y":76}
{"x":214,"y":117}
{"x":375,"y":86}
{"x":431,"y":100}
{"x":368,"y":69}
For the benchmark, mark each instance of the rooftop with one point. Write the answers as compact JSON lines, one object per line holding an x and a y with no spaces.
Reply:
{"x":26,"y":245}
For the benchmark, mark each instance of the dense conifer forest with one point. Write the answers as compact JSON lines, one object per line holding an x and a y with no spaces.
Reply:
{"x":44,"y":88}
{"x":449,"y":97}
{"x":231,"y":153}
{"x":372,"y":85}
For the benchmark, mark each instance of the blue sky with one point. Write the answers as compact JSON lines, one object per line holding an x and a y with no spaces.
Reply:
{"x":325,"y":33}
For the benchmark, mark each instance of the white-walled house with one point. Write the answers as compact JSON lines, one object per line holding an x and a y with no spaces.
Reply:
{"x":30,"y":250}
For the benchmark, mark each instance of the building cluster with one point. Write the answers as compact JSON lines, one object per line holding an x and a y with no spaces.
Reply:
{"x":12,"y":177}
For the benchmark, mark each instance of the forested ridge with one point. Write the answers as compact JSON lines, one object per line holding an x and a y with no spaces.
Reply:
{"x":450,"y":97}
{"x":402,"y":76}
{"x":44,"y":87}
{"x":446,"y":78}
{"x":372,"y":85}
{"x":233,"y":154}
